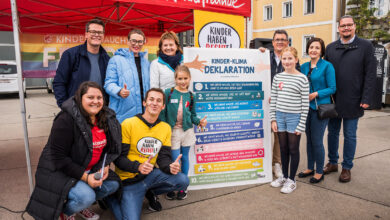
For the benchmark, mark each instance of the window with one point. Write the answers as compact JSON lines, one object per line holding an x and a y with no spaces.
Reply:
{"x":267,"y":12}
{"x":309,"y":6}
{"x":306,"y":39}
{"x":287,"y":9}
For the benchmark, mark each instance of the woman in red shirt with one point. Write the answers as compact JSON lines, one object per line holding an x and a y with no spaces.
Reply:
{"x":67,"y":179}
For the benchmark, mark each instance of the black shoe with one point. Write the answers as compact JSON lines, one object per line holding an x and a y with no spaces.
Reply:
{"x":303,"y":175}
{"x":102,"y":204}
{"x":182,"y":195}
{"x":170,"y":195}
{"x":314,"y":180}
{"x":154,"y":204}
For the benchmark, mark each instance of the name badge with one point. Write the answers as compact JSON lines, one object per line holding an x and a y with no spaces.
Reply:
{"x":174,"y":100}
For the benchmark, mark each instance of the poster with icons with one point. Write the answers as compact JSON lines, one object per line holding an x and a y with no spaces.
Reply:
{"x":233,"y":91}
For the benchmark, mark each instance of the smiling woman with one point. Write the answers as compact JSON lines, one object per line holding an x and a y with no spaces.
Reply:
{"x":127,"y":77}
{"x":170,"y":55}
{"x":83,"y":133}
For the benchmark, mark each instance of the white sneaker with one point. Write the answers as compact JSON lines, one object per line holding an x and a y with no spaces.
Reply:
{"x":278,"y":182}
{"x":278,"y":170}
{"x":88,"y":214}
{"x":289,"y":186}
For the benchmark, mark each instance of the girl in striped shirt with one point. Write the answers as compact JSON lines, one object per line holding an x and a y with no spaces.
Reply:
{"x":289,"y":108}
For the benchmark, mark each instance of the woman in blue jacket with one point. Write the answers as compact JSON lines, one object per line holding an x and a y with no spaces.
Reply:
{"x":321,"y":75}
{"x":127,"y":77}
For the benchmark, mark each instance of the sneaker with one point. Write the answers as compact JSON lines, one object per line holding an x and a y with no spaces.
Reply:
{"x":65,"y":217}
{"x":278,"y":170}
{"x":289,"y":186}
{"x":88,"y":214}
{"x":182,"y":194}
{"x":170,"y":195}
{"x":279,"y":182}
{"x":154,"y":204}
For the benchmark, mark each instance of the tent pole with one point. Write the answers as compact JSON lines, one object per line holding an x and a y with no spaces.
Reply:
{"x":15,"y":22}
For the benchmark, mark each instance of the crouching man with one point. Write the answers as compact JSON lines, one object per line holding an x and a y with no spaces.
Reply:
{"x":146,"y":142}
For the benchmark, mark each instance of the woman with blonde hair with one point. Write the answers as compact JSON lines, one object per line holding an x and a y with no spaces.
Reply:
{"x":170,"y":55}
{"x":289,"y":107}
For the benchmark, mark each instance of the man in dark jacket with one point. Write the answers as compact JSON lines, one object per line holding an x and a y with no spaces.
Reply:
{"x":355,"y":65}
{"x":86,"y":62}
{"x":146,"y":142}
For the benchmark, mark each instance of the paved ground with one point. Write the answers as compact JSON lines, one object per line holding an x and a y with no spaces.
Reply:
{"x":367,"y":196}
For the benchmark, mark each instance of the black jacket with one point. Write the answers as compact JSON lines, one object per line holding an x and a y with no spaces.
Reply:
{"x":355,"y":67}
{"x":75,"y":68}
{"x":65,"y":158}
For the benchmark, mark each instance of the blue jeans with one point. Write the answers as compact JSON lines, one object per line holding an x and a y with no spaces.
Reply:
{"x":349,"y":131}
{"x":185,"y":162}
{"x":315,"y":129}
{"x":82,"y":196}
{"x":133,"y":195}
{"x":287,"y":121}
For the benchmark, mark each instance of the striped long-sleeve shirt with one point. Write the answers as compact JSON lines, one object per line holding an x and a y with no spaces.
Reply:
{"x":290,"y":94}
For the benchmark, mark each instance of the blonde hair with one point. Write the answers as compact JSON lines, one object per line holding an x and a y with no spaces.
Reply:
{"x":182,"y":68}
{"x":168,"y":35}
{"x":292,"y":50}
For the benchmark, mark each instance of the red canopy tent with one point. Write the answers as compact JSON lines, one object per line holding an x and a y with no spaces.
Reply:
{"x":70,"y":16}
{"x":152,"y":16}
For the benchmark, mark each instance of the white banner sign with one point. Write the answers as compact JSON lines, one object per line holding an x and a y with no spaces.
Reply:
{"x":232,"y":91}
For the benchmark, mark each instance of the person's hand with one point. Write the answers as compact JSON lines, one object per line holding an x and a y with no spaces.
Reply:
{"x":203,"y":122}
{"x":261,"y":67}
{"x":262,"y":49}
{"x":175,"y":166}
{"x":313,"y":95}
{"x":269,"y":100}
{"x":92,"y":182}
{"x":105,"y":174}
{"x":146,"y":167}
{"x":274,"y":126}
{"x":124,"y":93}
{"x":297,"y":133}
{"x":196,"y":64}
{"x":364,"y":105}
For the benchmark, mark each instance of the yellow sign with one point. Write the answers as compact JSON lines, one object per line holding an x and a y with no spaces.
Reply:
{"x":228,"y":166}
{"x":217,"y":30}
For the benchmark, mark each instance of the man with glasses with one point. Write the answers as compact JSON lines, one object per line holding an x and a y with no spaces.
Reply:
{"x":279,"y":42}
{"x":86,"y":62}
{"x":128,"y":77}
{"x":355,"y":65}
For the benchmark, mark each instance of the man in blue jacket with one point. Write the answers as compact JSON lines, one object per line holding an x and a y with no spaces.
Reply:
{"x":86,"y":62}
{"x":355,"y":66}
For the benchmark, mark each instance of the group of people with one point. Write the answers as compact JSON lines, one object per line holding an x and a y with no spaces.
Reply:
{"x":140,"y":117}
{"x":115,"y":110}
{"x":346,"y":77}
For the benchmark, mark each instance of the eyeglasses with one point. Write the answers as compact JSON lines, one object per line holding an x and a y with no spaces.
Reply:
{"x":346,"y":25}
{"x":96,"y":32}
{"x":139,"y":42}
{"x":280,"y":40}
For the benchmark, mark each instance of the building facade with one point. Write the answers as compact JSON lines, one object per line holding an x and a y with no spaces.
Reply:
{"x":302,"y":19}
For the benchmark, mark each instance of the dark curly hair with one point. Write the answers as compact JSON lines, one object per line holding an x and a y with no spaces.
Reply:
{"x":101,"y":117}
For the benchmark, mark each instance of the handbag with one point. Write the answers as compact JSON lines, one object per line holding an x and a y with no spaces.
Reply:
{"x":324,"y":111}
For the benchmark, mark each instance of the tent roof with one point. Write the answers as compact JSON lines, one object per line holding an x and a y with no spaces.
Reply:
{"x":70,"y":16}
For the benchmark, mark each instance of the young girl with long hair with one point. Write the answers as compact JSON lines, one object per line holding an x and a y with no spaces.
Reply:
{"x":180,"y":114}
{"x":289,"y":107}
